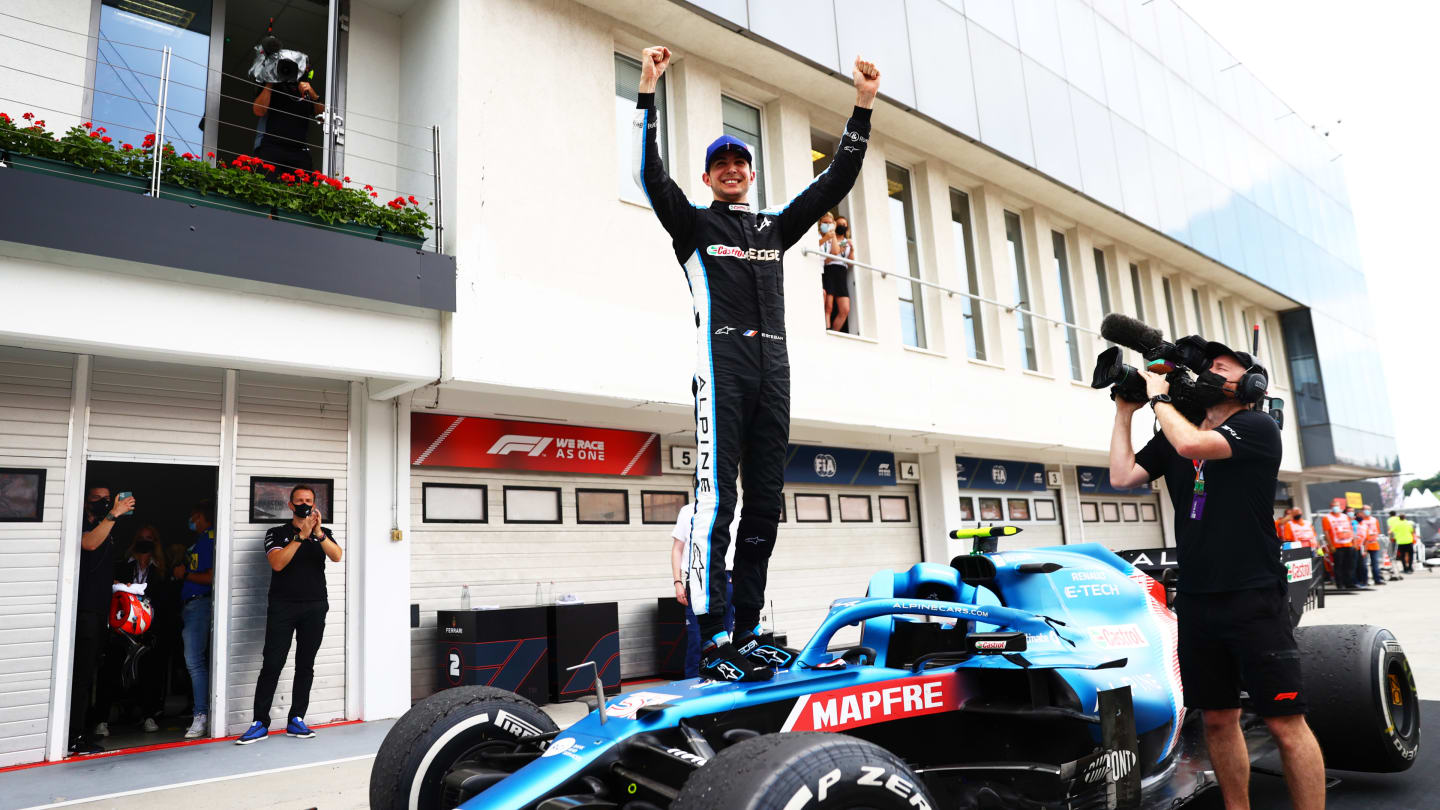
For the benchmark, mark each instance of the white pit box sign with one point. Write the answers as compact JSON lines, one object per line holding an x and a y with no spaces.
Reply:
{"x":682,"y":458}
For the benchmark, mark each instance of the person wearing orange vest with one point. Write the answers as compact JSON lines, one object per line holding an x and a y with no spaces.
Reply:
{"x":1340,"y":538}
{"x":1367,"y":543}
{"x":1296,"y":530}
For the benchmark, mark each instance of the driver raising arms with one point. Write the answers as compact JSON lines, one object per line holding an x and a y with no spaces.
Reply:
{"x":731,"y":256}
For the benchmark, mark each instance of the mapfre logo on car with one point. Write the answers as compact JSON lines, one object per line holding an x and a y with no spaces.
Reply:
{"x":858,"y":706}
{"x":753,"y":254}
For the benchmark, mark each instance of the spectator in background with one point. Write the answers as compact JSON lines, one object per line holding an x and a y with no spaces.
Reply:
{"x":142,"y":566}
{"x":197,"y":573}
{"x":834,"y":241}
{"x":97,"y":569}
{"x":1402,"y":532}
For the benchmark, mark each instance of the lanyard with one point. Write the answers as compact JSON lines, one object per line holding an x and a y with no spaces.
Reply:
{"x":1199,"y":476}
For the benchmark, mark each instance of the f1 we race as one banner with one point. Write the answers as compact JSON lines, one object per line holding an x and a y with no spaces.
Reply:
{"x":440,"y":440}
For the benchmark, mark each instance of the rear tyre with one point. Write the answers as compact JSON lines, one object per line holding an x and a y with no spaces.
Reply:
{"x":447,"y":729}
{"x":1363,"y":706}
{"x":804,"y":771}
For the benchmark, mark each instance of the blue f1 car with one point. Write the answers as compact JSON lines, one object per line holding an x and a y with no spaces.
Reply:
{"x":1041,"y":678}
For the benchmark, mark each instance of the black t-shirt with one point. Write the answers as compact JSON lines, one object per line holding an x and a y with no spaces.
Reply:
{"x":1233,"y":544}
{"x":287,"y":124}
{"x":304,"y":578}
{"x":97,"y":572}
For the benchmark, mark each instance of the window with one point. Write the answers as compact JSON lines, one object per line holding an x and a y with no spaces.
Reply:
{"x":532,"y":504}
{"x":742,"y":121}
{"x":782,"y":507}
{"x":963,"y":235}
{"x":1089,"y":512}
{"x":1019,"y":508}
{"x":894,"y":509}
{"x":990,"y":509}
{"x":602,"y":506}
{"x":1103,"y":279}
{"x":905,"y":258}
{"x":127,"y":71}
{"x":1067,"y":302}
{"x":967,"y":507}
{"x":661,"y":507}
{"x":1131,"y":512}
{"x":454,"y":503}
{"x":1148,"y":513}
{"x":1110,"y":511}
{"x":1044,"y":509}
{"x":270,"y":497}
{"x":1137,"y":288}
{"x":1225,"y":323}
{"x":1199,"y":312}
{"x":1016,"y":255}
{"x":812,"y":508}
{"x":1170,"y":308}
{"x":627,"y":82}
{"x":22,"y":495}
{"x":855,"y":509}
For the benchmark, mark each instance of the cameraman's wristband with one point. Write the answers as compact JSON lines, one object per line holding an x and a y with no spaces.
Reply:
{"x":1160,"y":398}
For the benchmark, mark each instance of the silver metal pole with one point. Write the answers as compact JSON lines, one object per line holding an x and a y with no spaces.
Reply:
{"x":439,"y":190}
{"x":161,"y":105}
{"x":947,"y":290}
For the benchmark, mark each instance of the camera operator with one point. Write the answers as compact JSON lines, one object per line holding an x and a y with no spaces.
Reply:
{"x":285,"y":109}
{"x":296,"y":551}
{"x":1234,"y":626}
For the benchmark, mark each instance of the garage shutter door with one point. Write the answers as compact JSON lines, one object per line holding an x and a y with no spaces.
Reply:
{"x":34,"y":429}
{"x":296,"y":428}
{"x":154,"y":409}
{"x":817,"y":563}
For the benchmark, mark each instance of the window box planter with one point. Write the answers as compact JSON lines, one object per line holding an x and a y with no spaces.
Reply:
{"x":392,"y":238}
{"x":348,"y":228}
{"x":185,"y":195}
{"x":121,"y":182}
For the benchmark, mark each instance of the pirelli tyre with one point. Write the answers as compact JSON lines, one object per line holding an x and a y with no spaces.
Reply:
{"x":1361,"y":694}
{"x":445,"y":732}
{"x":804,"y":770}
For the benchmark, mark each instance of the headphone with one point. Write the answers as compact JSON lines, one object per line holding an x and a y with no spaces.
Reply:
{"x":1252,"y":386}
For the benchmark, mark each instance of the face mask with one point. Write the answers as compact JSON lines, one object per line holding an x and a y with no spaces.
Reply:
{"x":192,"y":525}
{"x":144,"y":546}
{"x":1367,"y":513}
{"x":302,"y":510}
{"x":841,"y":230}
{"x":825,"y":227}
{"x":100,"y":506}
{"x":1334,"y":510}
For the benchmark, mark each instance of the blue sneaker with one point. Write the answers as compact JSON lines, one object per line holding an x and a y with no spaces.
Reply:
{"x":297,"y":728}
{"x":257,"y":732}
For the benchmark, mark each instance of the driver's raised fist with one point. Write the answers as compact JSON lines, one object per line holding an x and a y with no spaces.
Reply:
{"x":654,"y":61}
{"x":867,"y":77}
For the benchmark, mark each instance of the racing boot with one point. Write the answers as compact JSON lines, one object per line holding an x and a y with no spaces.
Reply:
{"x":751,"y":645}
{"x":720,"y":661}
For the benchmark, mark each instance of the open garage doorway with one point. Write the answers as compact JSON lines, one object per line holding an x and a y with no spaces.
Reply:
{"x":163,"y":550}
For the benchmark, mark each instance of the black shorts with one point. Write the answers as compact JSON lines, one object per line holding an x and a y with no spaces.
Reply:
{"x":835,"y":281}
{"x":1239,"y":640}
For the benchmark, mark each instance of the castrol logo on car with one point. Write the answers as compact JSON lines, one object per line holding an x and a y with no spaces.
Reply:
{"x":856,"y":706}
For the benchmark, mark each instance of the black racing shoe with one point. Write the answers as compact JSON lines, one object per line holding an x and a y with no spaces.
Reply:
{"x":767,"y":655}
{"x":82,"y":746}
{"x":722,"y":662}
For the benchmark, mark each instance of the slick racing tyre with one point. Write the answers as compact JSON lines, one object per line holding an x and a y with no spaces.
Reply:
{"x":1361,"y":694}
{"x":450,"y":733}
{"x":804,"y":771}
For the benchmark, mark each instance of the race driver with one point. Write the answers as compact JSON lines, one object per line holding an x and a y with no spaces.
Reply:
{"x":731,"y":257}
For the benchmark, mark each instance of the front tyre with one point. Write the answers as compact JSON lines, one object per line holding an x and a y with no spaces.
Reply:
{"x":1363,"y":706}
{"x":804,"y":771}
{"x":451,"y":733}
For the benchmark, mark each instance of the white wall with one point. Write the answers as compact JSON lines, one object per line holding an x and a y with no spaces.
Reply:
{"x":56,"y":95}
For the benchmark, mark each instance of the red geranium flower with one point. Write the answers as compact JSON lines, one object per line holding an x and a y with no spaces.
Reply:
{"x":288,"y":177}
{"x":39,"y":123}
{"x":269,"y":167}
{"x":95,"y":134}
{"x":210,"y":154}
{"x":6,"y":119}
{"x":86,"y":125}
{"x":100,"y":129}
{"x":347,"y":179}
{"x":187,"y":156}
{"x":105,"y":139}
{"x":27,"y":116}
{"x":374,"y":194}
{"x":149,"y":140}
{"x":414,"y":201}
{"x":127,"y":147}
{"x":369,"y":187}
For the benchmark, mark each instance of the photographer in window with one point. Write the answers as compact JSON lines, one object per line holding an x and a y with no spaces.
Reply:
{"x":1234,"y":625}
{"x":285,"y":106}
{"x":296,"y":551}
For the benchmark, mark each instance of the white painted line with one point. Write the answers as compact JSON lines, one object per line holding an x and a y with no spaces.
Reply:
{"x":638,"y":453}
{"x":192,"y":783}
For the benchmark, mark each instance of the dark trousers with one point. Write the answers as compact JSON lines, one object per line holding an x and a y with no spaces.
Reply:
{"x":148,"y":692}
{"x":306,"y":622}
{"x":89,"y":644}
{"x":1405,"y":553}
{"x":1344,"y":565}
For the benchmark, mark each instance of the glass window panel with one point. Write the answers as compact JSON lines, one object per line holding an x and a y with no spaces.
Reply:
{"x":1116,"y":59}
{"x":1067,"y":302}
{"x":1169,"y":195}
{"x":1198,"y":311}
{"x":1137,"y":288}
{"x":997,"y":16}
{"x":806,"y":27}
{"x":1019,"y":508}
{"x":1052,"y":125}
{"x":812,"y":508}
{"x":906,"y":256}
{"x":877,"y":30}
{"x":1044,"y":509}
{"x":1039,"y":30}
{"x":1170,"y":309}
{"x":743,"y":121}
{"x":967,"y":508}
{"x":1102,"y":278}
{"x":894,"y":509}
{"x":1136,"y":183}
{"x":1154,"y":98}
{"x":944,"y":87}
{"x":1082,"y":48}
{"x":1089,"y":512}
{"x":532,"y":504}
{"x":453,"y":503}
{"x":627,"y":82}
{"x":1148,"y":513}
{"x":855,"y":509}
{"x":22,"y":495}
{"x":1188,"y":141}
{"x":962,"y":233}
{"x":1130,"y":512}
{"x":602,"y":506}
{"x":1000,"y":95}
{"x":661,"y":507}
{"x":1021,"y":289}
{"x":1094,"y":138}
{"x":1110,"y":512}
{"x":990,"y":509}
{"x":127,"y":70}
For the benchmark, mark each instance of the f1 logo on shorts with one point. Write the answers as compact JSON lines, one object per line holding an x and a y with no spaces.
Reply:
{"x":1286,"y":696}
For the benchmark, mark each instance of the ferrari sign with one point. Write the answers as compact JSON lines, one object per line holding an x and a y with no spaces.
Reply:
{"x":438,"y":440}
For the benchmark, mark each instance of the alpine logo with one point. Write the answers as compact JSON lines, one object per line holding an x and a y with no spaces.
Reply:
{"x":514,"y":443}
{"x":753,"y":254}
{"x":857,"y":706}
{"x":825,"y":465}
{"x":515,"y":725}
{"x":764,"y":223}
